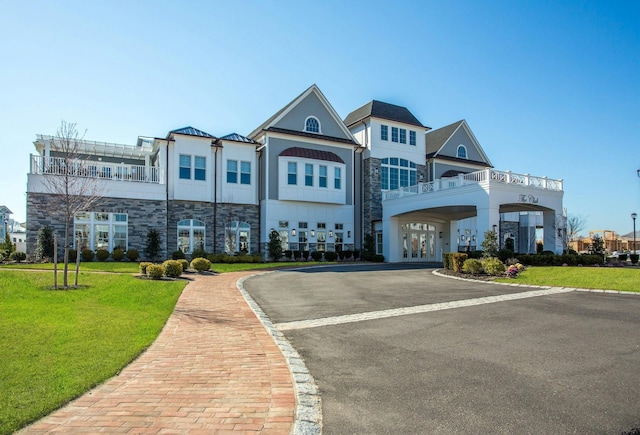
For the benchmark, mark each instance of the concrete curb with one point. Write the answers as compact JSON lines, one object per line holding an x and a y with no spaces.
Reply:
{"x":308,"y":415}
{"x":588,"y":290}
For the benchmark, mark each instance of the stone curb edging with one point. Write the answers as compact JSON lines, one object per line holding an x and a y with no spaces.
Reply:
{"x":308,"y":414}
{"x":588,"y":290}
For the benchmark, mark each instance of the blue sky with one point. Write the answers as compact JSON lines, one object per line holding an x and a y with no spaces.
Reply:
{"x":549,"y":88}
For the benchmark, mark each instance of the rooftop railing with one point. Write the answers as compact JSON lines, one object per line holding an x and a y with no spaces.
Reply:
{"x":91,"y":169}
{"x":478,"y":177}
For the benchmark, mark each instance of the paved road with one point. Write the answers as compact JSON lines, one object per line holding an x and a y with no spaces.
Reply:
{"x":509,"y":361}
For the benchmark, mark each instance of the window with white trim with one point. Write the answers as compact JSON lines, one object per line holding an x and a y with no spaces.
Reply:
{"x":232,"y":171}
{"x":394,"y":134}
{"x":462,"y":152}
{"x":245,"y":172}
{"x":312,"y":125}
{"x":403,"y":135}
{"x":384,"y":132}
{"x":397,"y":173}
{"x":337,"y":178}
{"x":308,"y":174}
{"x":322,"y":174}
{"x":237,"y":237}
{"x":185,"y":166}
{"x":200,"y":168}
{"x":292,"y":173}
{"x":100,"y":230}
{"x":191,"y":235}
{"x":412,"y":137}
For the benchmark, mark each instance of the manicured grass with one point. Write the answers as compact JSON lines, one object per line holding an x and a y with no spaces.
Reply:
{"x":606,"y":278}
{"x":107,"y":266}
{"x":57,"y":344}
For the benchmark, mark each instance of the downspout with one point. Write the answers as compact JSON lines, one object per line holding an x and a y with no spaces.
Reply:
{"x":214,"y":143}
{"x":259,"y":183}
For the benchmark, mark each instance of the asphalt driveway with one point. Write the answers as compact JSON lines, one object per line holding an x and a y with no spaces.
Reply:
{"x":395,"y":349}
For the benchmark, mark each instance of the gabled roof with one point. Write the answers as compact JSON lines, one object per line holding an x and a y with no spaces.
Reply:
{"x":273,"y":120}
{"x":437,"y":139}
{"x":238,"y":138}
{"x":190,"y":131}
{"x":379,"y":109}
{"x":311,"y":154}
{"x":5,"y":210}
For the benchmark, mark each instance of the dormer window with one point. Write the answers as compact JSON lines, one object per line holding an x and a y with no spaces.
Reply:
{"x":462,"y":152}
{"x":312,"y":125}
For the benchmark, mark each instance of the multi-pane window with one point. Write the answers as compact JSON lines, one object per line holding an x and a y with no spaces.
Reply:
{"x":412,"y":137}
{"x":462,"y":151}
{"x":292,"y":173}
{"x":302,"y":240}
{"x":384,"y":132}
{"x":232,"y":171}
{"x":394,"y":134}
{"x":337,"y":178}
{"x":237,"y":237}
{"x":100,"y":230}
{"x":312,"y":125}
{"x":339,"y":226}
{"x":322,"y":180}
{"x":397,"y":173}
{"x":185,"y":167}
{"x":322,"y":225}
{"x":200,"y":168}
{"x":302,"y":225}
{"x":284,"y":239}
{"x":191,"y":235}
{"x":245,"y":172}
{"x":322,"y":240}
{"x":308,"y":174}
{"x":403,"y":135}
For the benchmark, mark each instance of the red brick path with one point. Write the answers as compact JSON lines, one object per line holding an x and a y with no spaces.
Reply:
{"x":213,"y":370}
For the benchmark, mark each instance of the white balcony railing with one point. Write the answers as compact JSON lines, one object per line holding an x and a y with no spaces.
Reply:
{"x":89,"y":168}
{"x":479,"y":177}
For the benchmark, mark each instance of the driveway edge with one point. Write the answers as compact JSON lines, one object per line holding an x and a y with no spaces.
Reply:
{"x":308,"y":415}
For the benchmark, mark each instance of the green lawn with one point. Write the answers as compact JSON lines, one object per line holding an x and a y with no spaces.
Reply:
{"x":107,"y":266}
{"x":606,"y":278}
{"x":57,"y":344}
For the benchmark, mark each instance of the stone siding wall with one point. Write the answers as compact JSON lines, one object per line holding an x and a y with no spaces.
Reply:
{"x":142,"y":216}
{"x":371,"y":194}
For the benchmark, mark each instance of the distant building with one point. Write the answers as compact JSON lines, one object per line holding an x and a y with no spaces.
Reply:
{"x":4,"y":222}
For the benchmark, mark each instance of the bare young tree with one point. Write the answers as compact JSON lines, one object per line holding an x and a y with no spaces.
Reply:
{"x":575,"y":225}
{"x":69,"y":177}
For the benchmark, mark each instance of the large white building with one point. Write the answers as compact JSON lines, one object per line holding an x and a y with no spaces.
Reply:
{"x":322,"y":183}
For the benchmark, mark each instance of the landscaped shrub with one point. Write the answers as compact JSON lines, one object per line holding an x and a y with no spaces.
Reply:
{"x":184,"y":263}
{"x":117,"y":255}
{"x":153,"y":246}
{"x":73,"y":254}
{"x":472,"y":266}
{"x":44,"y":244}
{"x":172,"y":268}
{"x":378,"y":258}
{"x":177,"y":255}
{"x":102,"y":254}
{"x":505,"y":254}
{"x":143,"y":267}
{"x":634,"y":258}
{"x":305,"y":255}
{"x":133,"y":254}
{"x":330,"y":256}
{"x":622,"y":257}
{"x":316,"y":255}
{"x":155,"y":271}
{"x":288,"y":254}
{"x":200,"y":264}
{"x":87,"y":255}
{"x":18,"y":256}
{"x":493,"y":266}
{"x":197,"y":253}
{"x":297,"y":255}
{"x":457,"y":261}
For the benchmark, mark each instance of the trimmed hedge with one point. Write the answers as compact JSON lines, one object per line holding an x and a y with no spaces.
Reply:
{"x":102,"y":254}
{"x":472,"y":266}
{"x":143,"y":267}
{"x":330,"y":256}
{"x":184,"y":263}
{"x":493,"y":266}
{"x":200,"y":264}
{"x":133,"y":254}
{"x":172,"y":268}
{"x":117,"y":255}
{"x":87,"y":255}
{"x":155,"y":271}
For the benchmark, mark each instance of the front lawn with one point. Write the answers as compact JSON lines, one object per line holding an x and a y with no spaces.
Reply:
{"x":57,"y":344}
{"x":606,"y":278}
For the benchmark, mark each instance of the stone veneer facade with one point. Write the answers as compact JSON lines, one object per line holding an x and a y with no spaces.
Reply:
{"x":142,"y":216}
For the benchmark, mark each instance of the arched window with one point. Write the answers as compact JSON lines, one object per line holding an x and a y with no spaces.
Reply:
{"x":462,"y":152}
{"x":191,"y":235}
{"x":237,"y":237}
{"x":312,"y":125}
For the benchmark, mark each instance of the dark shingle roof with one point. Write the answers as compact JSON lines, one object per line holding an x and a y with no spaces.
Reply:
{"x":190,"y":131}
{"x":436,"y":138}
{"x":311,"y":154}
{"x":237,"y":138}
{"x":378,"y":109}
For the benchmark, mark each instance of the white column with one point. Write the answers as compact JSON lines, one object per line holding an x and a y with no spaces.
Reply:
{"x":488,"y":218}
{"x":551,"y":240}
{"x":391,"y":240}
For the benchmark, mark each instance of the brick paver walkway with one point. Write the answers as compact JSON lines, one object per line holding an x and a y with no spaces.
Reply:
{"x":214,"y":369}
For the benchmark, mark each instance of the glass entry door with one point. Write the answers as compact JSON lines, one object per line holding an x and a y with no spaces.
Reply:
{"x":418,"y":242}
